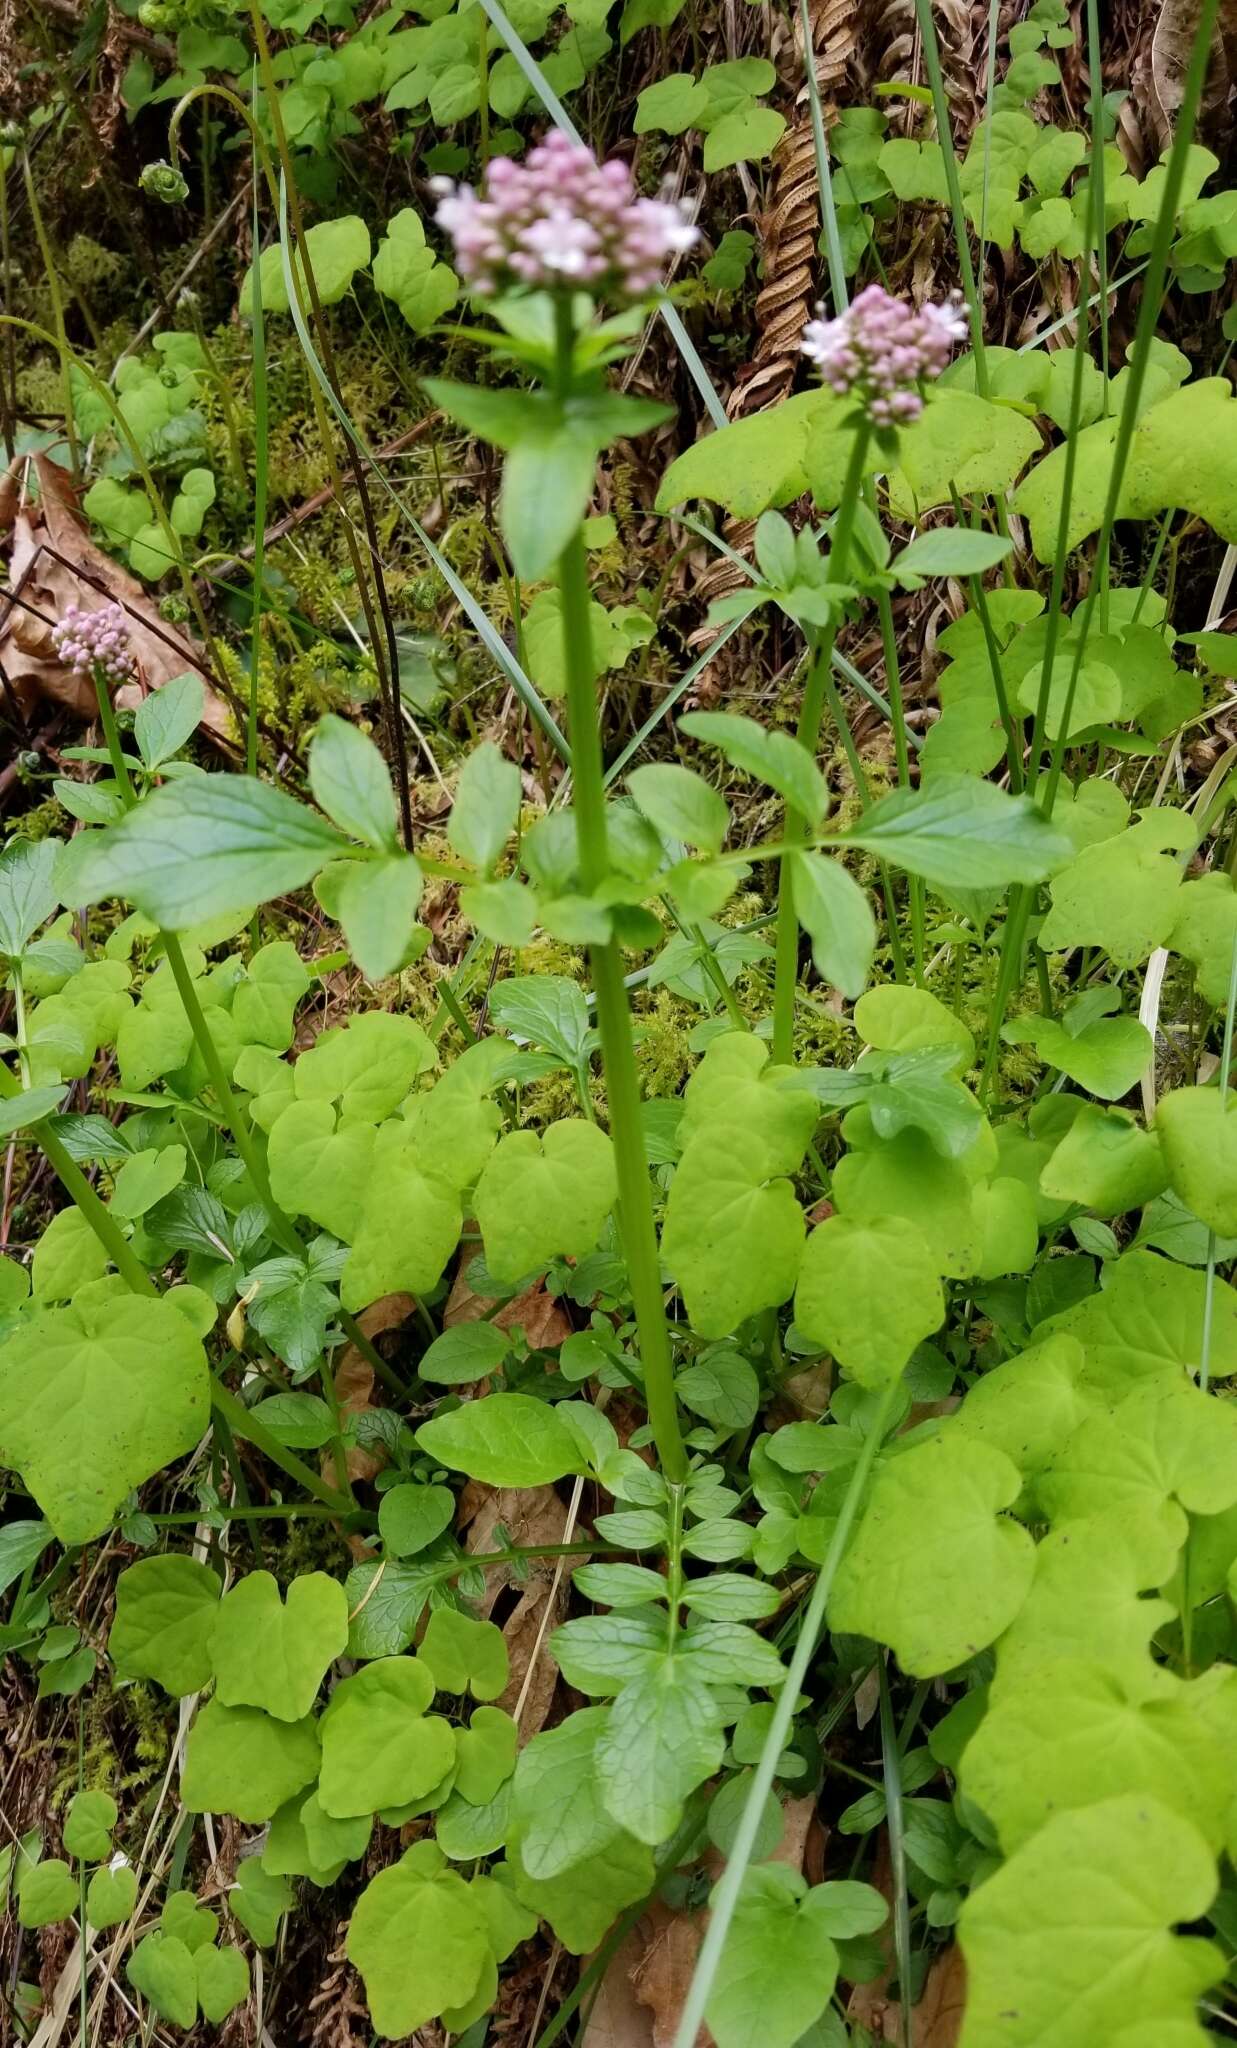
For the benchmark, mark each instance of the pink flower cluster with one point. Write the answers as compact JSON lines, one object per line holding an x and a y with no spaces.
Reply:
{"x":560,"y":220}
{"x":882,"y":350}
{"x":96,"y":641}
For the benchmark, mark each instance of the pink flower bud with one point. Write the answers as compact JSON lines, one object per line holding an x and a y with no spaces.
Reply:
{"x":883,"y":350}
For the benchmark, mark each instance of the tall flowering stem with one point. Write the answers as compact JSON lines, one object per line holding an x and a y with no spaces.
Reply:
{"x":879,"y":353}
{"x":606,"y":967}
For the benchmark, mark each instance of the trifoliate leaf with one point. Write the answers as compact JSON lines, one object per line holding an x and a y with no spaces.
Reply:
{"x":935,"y":1570}
{"x":272,"y":1654}
{"x":379,"y":1747}
{"x":165,"y":1611}
{"x":406,"y":270}
{"x":1105,"y":1057}
{"x":94,"y":1399}
{"x":869,"y":1293}
{"x":239,"y":1760}
{"x":544,"y":1196}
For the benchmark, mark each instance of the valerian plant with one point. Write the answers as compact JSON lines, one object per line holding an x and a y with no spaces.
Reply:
{"x":901,"y":1370}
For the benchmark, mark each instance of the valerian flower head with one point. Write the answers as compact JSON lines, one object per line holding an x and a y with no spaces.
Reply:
{"x":882,"y":350}
{"x":96,"y":643}
{"x":163,"y":181}
{"x":560,"y":221}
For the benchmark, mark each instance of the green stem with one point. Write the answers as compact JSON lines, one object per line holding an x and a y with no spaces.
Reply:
{"x":725,"y":1896}
{"x":953,"y":185}
{"x":635,"y":1201}
{"x":817,"y":692}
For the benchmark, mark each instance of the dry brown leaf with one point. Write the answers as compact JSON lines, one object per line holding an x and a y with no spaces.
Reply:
{"x":936,"y":2021}
{"x":544,"y":1323}
{"x":664,"y":1973}
{"x":354,"y":1383}
{"x":53,"y":563}
{"x":617,"y":2017}
{"x":532,"y":1518}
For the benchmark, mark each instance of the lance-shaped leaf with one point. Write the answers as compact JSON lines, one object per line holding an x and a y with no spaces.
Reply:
{"x":962,"y":833}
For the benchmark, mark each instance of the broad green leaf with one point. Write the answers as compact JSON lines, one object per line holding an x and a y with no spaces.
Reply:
{"x":732,"y":1239}
{"x":320,"y":1171}
{"x":1200,"y":1154}
{"x":412,"y":1517}
{"x":868,"y":1292}
{"x":1092,"y":697}
{"x":1183,"y":454}
{"x":503,"y":1440}
{"x":18,"y":1112}
{"x":367,"y":1066}
{"x":745,"y":136}
{"x":274,"y":1654}
{"x":1121,"y":894}
{"x":935,"y":1569}
{"x":223,"y":1981}
{"x":259,"y":1899}
{"x":379,"y":1746}
{"x":950,"y":551}
{"x":1071,"y":1734}
{"x":464,"y":1654}
{"x":47,"y":1891}
{"x":1029,"y":1406}
{"x":350,"y":782}
{"x":167,"y":718}
{"x":557,"y":1813}
{"x":1146,"y":1323}
{"x":1157,"y":1445}
{"x":582,"y":1903}
{"x":486,"y":807}
{"x":906,"y":1177}
{"x":301,"y":1421}
{"x":960,"y":443}
{"x":837,"y":916}
{"x":239,"y":1760}
{"x":908,"y":1019}
{"x":334,"y":250}
{"x":772,"y":757}
{"x":419,"y":1939}
{"x":22,"y":1544}
{"x":386,"y":1601}
{"x":662,"y":1737}
{"x":720,"y":1385}
{"x":601,"y":1653}
{"x":1204,"y":931}
{"x":376,"y":903}
{"x":28,"y":891}
{"x":778,"y":1968}
{"x":542,"y":1196}
{"x":485,"y":1754}
{"x":145,"y":1179}
{"x":111,"y":1895}
{"x":961,"y":833}
{"x":164,"y":1971}
{"x":737,"y":1084}
{"x":94,"y":1399}
{"x":681,"y":804}
{"x":199,"y":847}
{"x":546,"y":1010}
{"x":1105,"y":1057}
{"x":165,"y":1611}
{"x":756,"y":462}
{"x":67,"y":1257}
{"x":1071,"y":1941}
{"x":1088,"y":1598}
{"x":88,"y":1825}
{"x":1106,"y":1163}
{"x":408,"y":1227}
{"x":671,"y":105}
{"x":464,"y":1353}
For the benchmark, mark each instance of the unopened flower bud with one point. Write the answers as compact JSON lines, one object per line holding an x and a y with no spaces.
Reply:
{"x":163,"y":181}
